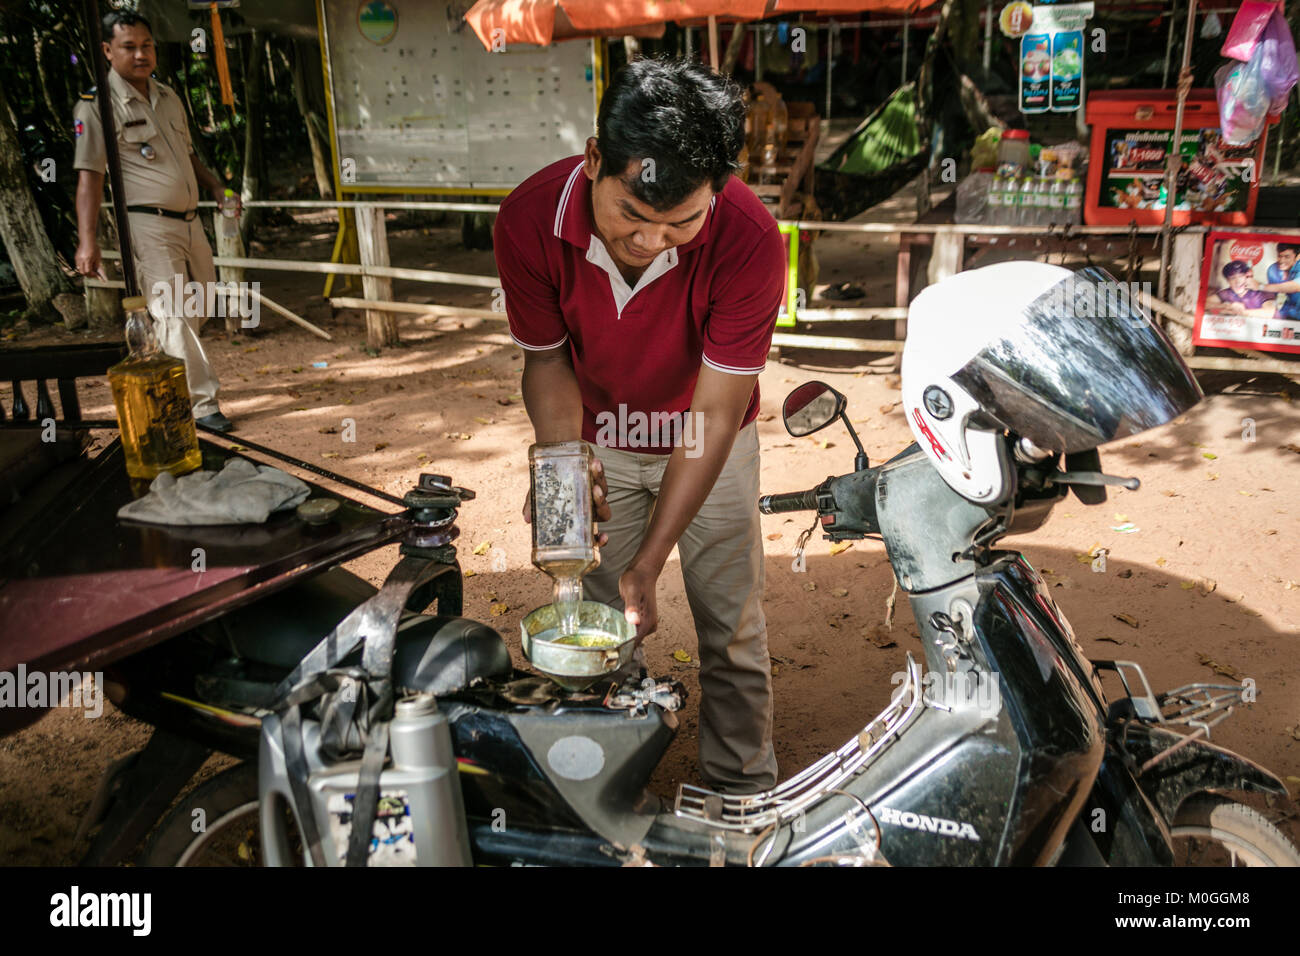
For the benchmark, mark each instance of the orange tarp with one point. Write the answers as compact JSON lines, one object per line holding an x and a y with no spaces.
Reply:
{"x":541,"y":21}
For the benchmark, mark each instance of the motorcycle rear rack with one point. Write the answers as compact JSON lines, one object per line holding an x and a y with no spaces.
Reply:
{"x":751,"y":812}
{"x":1199,"y":706}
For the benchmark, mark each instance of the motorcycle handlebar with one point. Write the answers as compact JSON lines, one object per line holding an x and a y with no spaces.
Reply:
{"x":790,"y":501}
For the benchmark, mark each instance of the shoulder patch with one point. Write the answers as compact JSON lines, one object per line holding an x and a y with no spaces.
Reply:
{"x":90,"y":93}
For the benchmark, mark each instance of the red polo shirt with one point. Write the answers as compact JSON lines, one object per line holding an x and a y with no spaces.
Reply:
{"x":712,"y":300}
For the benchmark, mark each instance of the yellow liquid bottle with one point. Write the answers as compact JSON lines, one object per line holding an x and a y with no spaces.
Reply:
{"x":153,"y":402}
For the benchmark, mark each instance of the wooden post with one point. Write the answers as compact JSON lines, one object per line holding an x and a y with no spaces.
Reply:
{"x":372,"y":239}
{"x":103,"y":305}
{"x":949,"y":250}
{"x":229,"y":247}
{"x":713,"y":45}
{"x":1185,"y":285}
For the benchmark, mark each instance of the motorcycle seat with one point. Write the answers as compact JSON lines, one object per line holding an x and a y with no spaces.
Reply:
{"x":438,"y":655}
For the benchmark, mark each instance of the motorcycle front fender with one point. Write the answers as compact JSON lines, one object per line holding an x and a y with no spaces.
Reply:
{"x":1193,"y":768}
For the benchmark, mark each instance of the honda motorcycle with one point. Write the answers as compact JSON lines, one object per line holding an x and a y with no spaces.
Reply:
{"x":376,"y":734}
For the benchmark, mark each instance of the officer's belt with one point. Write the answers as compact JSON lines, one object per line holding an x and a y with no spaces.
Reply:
{"x":169,"y":213}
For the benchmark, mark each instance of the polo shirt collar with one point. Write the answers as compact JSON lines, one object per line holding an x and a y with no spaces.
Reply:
{"x":573,"y":221}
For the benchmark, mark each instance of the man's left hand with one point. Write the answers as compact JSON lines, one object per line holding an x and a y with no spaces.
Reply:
{"x":220,"y":196}
{"x":637,"y":588}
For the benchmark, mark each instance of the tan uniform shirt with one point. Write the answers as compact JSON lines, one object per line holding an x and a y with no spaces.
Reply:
{"x":155,"y":127}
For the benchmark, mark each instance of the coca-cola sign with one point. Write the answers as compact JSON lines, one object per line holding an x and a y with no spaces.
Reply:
{"x":1251,"y":252}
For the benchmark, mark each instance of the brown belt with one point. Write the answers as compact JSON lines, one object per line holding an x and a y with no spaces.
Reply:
{"x":169,"y":213}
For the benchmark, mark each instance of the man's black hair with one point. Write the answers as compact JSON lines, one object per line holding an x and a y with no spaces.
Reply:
{"x":125,"y":18}
{"x":681,"y":115}
{"x":1289,"y":247}
{"x":1236,"y":268}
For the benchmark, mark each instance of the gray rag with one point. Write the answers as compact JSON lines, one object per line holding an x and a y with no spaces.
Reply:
{"x":240,"y":493}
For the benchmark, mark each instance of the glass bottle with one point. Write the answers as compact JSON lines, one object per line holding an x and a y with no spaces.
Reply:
{"x":563,"y":523}
{"x":153,"y":402}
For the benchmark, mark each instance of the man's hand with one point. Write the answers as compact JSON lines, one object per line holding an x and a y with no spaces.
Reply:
{"x":88,"y":260}
{"x":219,"y":194}
{"x":637,"y":588}
{"x":599,"y":503}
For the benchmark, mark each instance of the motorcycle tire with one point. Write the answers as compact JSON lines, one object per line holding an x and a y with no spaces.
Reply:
{"x":1242,"y":834}
{"x":230,"y":832}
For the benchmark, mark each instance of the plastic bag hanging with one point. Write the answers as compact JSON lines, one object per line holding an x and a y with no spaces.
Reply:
{"x":1243,"y":100}
{"x":1278,"y":61}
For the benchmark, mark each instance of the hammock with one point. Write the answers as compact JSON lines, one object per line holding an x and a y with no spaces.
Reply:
{"x":878,"y":159}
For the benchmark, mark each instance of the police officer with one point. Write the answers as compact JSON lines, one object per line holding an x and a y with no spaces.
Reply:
{"x":161,"y":176}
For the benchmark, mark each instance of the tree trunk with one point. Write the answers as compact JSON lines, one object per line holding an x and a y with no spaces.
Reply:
{"x":254,"y":121}
{"x":924,"y":101}
{"x":734,"y":45}
{"x":30,"y":250}
{"x":309,"y":91}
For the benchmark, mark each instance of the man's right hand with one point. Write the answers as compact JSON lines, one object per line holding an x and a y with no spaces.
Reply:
{"x":88,"y":260}
{"x":599,"y":500}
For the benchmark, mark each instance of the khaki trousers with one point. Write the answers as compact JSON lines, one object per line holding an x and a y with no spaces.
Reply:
{"x":169,"y":253}
{"x":722,"y":566}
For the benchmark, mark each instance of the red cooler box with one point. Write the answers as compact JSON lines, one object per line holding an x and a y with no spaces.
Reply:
{"x":1131,"y":135}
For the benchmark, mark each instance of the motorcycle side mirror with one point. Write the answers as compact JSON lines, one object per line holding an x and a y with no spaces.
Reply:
{"x":811,"y":407}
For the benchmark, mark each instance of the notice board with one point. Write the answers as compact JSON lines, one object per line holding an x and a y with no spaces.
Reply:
{"x":417,"y":104}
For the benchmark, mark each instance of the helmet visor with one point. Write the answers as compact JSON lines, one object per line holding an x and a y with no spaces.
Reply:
{"x":1083,"y":366}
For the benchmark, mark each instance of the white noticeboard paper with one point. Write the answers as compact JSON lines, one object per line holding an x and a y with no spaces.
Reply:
{"x":419,"y":103}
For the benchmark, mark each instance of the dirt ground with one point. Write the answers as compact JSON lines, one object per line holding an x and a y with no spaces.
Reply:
{"x":1207,"y":585}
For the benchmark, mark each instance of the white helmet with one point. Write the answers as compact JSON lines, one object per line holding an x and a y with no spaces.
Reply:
{"x":1064,"y":361}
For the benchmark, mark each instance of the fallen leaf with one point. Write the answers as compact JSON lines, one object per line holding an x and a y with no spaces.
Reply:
{"x":1227,"y":670}
{"x":880,"y":637}
{"x":1290,"y":586}
{"x":1292,"y":448}
{"x":329,"y":454}
{"x":499,"y":609}
{"x":1209,"y":585}
{"x":1271,"y":531}
{"x":505,"y":401}
{"x":1111,"y":640}
{"x":810,"y":586}
{"x":839,"y":547}
{"x":328,"y":430}
{"x":1161,"y":562}
{"x":296,"y":369}
{"x":1126,"y":573}
{"x":1121,"y":518}
{"x":1128,"y":619}
{"x":1212,"y":476}
{"x":840,"y":592}
{"x":470,"y":573}
{"x":766,"y":418}
{"x":681,"y":656}
{"x":516,"y":398}
{"x":1170,"y":494}
{"x":826,"y":444}
{"x":1295,"y":734}
{"x":1046,"y":571}
{"x":483,"y":421}
{"x":774,"y":536}
{"x":380,"y":445}
{"x":1245,"y":493}
{"x":1187,"y":585}
{"x":251,"y":348}
{"x":482,"y":547}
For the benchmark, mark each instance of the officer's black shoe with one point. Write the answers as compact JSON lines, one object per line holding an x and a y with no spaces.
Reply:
{"x":216,"y":422}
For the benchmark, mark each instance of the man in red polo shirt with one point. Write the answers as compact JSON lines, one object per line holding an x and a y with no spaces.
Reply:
{"x":642,"y":282}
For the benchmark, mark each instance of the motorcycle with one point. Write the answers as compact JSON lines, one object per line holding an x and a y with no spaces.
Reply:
{"x":373,"y":734}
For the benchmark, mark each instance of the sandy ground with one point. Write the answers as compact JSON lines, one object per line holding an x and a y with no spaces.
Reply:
{"x":1207,"y":584}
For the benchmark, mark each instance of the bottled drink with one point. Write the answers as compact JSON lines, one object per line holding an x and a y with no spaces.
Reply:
{"x":1056,"y":196}
{"x":229,"y":216}
{"x":153,"y":402}
{"x":1073,"y":201}
{"x":997,"y":191}
{"x":1043,"y":213}
{"x":564,"y":543}
{"x":973,"y":197}
{"x":1027,"y":210}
